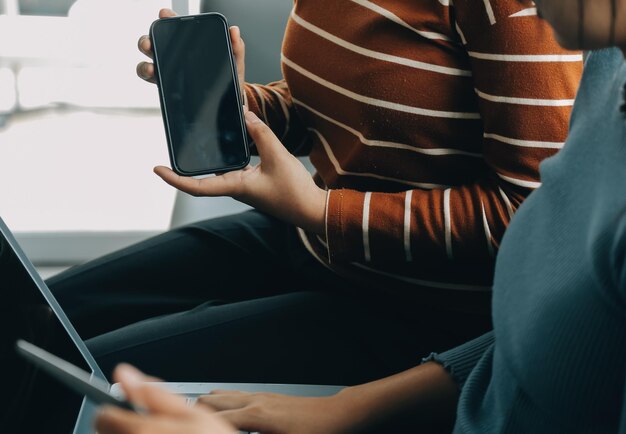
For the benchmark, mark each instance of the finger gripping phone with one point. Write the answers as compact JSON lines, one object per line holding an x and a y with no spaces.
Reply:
{"x":199,"y":92}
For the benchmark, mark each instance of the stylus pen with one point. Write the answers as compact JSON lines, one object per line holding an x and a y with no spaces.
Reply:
{"x":73,"y":377}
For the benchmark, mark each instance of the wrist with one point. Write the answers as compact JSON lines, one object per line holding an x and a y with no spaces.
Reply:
{"x":321,"y":218}
{"x":425,"y":395}
{"x":316,"y":221}
{"x":355,"y":409}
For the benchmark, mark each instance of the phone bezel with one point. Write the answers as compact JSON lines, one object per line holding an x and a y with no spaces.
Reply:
{"x":80,"y":381}
{"x":233,"y":65}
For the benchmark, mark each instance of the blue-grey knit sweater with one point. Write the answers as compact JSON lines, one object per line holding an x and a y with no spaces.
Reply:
{"x":556,"y":361}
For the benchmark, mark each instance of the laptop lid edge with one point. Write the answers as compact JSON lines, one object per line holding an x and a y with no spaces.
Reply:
{"x":52,"y":302}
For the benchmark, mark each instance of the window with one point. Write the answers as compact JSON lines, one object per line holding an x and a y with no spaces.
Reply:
{"x":79,"y":132}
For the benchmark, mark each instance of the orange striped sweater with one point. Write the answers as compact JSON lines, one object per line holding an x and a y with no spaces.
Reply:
{"x":426,"y":121}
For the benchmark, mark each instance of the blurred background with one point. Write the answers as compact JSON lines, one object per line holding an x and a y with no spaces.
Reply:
{"x":80,"y":133}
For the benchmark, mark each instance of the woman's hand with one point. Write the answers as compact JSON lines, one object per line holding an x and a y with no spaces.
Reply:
{"x":145,"y":70}
{"x":423,"y":399}
{"x":167,"y":413}
{"x":282,"y":414}
{"x":280,"y":185}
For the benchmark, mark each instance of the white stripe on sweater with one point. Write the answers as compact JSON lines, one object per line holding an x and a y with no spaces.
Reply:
{"x":528,"y":12}
{"x":378,"y":55}
{"x":341,"y":171}
{"x":487,"y":231}
{"x":507,"y":202}
{"x":260,"y":95}
{"x":326,"y":225}
{"x":396,"y":19}
{"x":366,"y":226}
{"x":448,"y":223}
{"x":524,"y":143}
{"x":307,"y":245}
{"x":386,"y":144}
{"x":460,"y":32}
{"x":525,"y":101}
{"x":322,"y":242}
{"x":527,"y":57}
{"x":378,"y":102}
{"x":489,"y":9}
{"x":407,"y":225}
{"x":283,"y":105}
{"x":520,"y":182}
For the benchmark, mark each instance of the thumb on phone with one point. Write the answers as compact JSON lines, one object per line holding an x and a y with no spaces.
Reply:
{"x":151,"y":397}
{"x":267,"y":144}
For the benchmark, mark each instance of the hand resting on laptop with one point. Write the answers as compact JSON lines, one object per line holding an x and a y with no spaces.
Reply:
{"x":216,"y":413}
{"x":426,"y":394}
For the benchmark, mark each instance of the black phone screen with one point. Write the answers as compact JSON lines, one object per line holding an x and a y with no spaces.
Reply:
{"x":200,"y":98}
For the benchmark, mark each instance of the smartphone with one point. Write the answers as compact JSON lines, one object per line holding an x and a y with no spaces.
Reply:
{"x":200,"y":97}
{"x":73,"y":377}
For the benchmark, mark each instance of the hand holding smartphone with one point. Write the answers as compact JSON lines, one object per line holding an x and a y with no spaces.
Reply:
{"x":200,"y":96}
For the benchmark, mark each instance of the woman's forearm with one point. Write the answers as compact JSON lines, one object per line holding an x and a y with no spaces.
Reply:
{"x":423,"y":395}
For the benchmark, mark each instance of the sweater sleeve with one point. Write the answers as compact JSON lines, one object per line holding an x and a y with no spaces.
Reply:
{"x":273,"y":104}
{"x":460,"y":361}
{"x":622,"y":425}
{"x":525,"y":84}
{"x":617,"y":254}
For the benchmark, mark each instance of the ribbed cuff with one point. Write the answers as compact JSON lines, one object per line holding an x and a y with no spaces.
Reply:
{"x":344,"y":225}
{"x":251,"y":96}
{"x":460,"y":361}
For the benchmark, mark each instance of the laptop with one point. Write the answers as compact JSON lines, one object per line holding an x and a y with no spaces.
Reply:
{"x":36,"y":403}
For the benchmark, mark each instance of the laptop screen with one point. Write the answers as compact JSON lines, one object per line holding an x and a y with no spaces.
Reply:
{"x":32,"y":402}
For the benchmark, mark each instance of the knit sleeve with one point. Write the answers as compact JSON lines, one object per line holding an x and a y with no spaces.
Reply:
{"x":525,"y":84}
{"x":622,"y":425}
{"x":273,"y":104}
{"x":617,"y":254}
{"x":460,"y":361}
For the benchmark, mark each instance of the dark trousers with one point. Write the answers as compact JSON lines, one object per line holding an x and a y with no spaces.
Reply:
{"x":239,"y":299}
